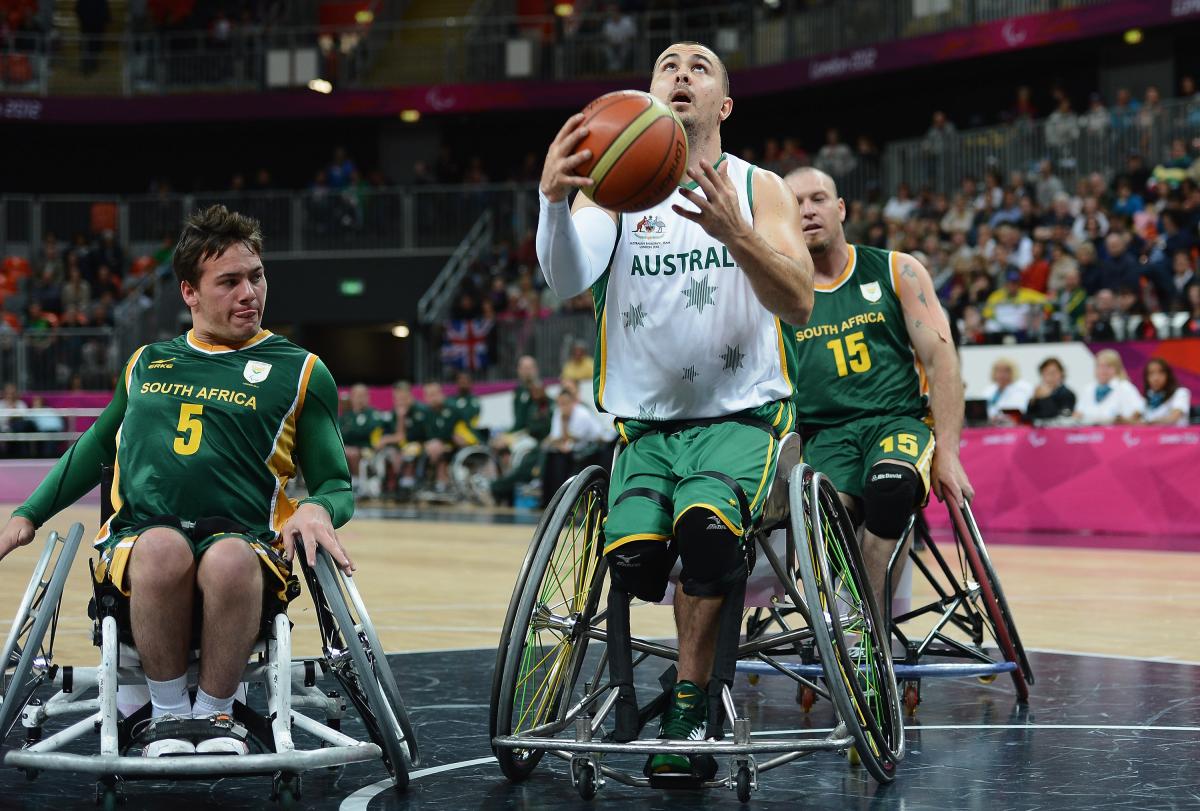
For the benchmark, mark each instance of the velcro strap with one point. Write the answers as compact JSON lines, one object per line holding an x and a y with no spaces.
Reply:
{"x":645,"y":492}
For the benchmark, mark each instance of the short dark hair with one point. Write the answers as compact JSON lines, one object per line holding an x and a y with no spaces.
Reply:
{"x":209,"y":232}
{"x":1052,"y":362}
{"x":724,"y":70}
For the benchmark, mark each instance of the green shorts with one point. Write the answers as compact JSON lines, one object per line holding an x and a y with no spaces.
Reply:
{"x":846,"y":452}
{"x":660,"y":476}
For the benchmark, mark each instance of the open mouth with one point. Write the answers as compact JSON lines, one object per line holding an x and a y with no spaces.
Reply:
{"x":811,"y":227}
{"x":681,"y":97}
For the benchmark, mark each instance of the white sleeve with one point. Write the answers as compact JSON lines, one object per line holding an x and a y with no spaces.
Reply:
{"x":573,"y":250}
{"x":1131,"y":401}
{"x":1182,"y":400}
{"x":556,"y":426}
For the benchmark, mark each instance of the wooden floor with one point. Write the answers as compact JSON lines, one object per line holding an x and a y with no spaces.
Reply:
{"x":442,"y":585}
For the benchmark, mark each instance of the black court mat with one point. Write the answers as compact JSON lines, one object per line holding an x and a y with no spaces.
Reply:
{"x":1098,"y":733}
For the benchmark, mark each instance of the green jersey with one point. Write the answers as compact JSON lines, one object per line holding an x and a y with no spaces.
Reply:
{"x":413,"y":423}
{"x":440,"y":422}
{"x":521,"y":401}
{"x":361,"y":429}
{"x":855,"y":358}
{"x":196,"y":430}
{"x":468,"y":408}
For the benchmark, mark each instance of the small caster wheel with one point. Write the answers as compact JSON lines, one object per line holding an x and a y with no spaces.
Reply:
{"x":807,"y":698}
{"x":742,"y":783}
{"x":285,"y":790}
{"x":987,"y":678}
{"x":107,"y":796}
{"x":753,"y":679}
{"x":32,"y":735}
{"x":585,"y":781}
{"x":912,"y":697}
{"x":852,"y":757}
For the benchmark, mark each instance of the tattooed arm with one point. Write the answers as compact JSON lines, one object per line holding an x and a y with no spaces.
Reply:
{"x":929,"y":334}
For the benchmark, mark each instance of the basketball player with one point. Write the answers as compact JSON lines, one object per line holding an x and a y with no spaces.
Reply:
{"x":691,"y":359}
{"x":880,"y":369}
{"x":204,"y":432}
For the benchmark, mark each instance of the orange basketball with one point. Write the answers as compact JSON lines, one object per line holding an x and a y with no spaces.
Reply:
{"x":639,"y":150}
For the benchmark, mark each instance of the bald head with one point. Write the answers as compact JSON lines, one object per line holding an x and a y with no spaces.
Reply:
{"x":822,"y":212}
{"x":805,"y":177}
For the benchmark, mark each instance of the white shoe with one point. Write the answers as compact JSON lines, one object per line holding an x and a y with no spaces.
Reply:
{"x":222,"y":746}
{"x":168,"y":747}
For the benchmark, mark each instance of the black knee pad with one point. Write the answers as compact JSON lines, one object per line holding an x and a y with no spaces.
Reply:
{"x":641,"y":568}
{"x":713,"y":558}
{"x":891,"y":493}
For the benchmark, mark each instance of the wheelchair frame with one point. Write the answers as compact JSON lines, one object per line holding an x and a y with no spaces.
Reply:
{"x":797,"y":496}
{"x":352,"y":654}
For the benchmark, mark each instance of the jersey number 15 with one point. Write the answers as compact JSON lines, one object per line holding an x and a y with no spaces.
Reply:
{"x":855,"y":349}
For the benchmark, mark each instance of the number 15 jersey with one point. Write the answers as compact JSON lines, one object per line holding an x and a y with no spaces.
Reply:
{"x":209,"y":431}
{"x":855,"y":358}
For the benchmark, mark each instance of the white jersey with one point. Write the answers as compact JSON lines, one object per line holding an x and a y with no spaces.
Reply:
{"x":680,"y":332}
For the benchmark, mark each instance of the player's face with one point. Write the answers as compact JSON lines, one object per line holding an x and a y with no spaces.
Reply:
{"x":822,"y":212}
{"x":1105,"y":372}
{"x":402,"y":399}
{"x":228,"y":302}
{"x":360,"y":397}
{"x":1156,"y":376}
{"x":689,"y":79}
{"x":434,"y":395}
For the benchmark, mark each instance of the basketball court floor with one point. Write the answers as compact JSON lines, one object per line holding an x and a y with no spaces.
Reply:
{"x":1113,"y":719}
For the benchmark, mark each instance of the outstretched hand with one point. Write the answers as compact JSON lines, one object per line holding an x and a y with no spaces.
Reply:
{"x":17,"y":532}
{"x":311,"y":526}
{"x":720,"y":213}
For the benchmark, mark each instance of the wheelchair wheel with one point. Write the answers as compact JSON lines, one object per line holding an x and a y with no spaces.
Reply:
{"x":851,"y":638}
{"x":551,"y":613}
{"x":997,"y":614}
{"x":359,"y":662}
{"x":28,"y":658}
{"x":470,"y":468}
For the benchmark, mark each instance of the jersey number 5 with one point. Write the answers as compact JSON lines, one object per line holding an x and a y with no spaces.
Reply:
{"x":190,"y":427}
{"x":855,"y":350}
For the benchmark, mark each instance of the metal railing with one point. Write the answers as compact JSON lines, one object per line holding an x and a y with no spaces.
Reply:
{"x":435,"y":302}
{"x":548,"y":340}
{"x":470,"y":49}
{"x":407,"y":220}
{"x":1074,"y":149}
{"x":53,"y":359}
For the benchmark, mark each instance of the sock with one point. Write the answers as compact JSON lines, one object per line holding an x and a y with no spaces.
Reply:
{"x":207,"y":705}
{"x":170,"y":697}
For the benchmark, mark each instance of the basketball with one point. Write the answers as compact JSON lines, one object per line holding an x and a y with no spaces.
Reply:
{"x":639,"y":150}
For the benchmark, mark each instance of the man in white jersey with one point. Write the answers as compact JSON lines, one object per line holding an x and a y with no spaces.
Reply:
{"x":691,"y":358}
{"x":881,"y":378}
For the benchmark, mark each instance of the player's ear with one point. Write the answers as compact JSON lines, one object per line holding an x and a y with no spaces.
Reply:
{"x":191,"y":296}
{"x":726,"y":109}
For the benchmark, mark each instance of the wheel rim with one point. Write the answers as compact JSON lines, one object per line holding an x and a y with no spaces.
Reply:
{"x":555,"y":636}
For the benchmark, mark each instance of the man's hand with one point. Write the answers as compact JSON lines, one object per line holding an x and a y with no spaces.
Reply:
{"x":950,"y":480}
{"x":312,"y":526}
{"x":558,"y":172}
{"x":720,"y":213}
{"x":17,"y":532}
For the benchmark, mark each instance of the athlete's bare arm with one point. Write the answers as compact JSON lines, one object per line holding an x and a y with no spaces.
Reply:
{"x":929,"y":333}
{"x":771,"y":251}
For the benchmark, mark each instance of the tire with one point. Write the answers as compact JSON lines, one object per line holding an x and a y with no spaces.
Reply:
{"x":860,"y":678}
{"x":37,"y":613}
{"x":576,"y":525}
{"x":997,"y":613}
{"x":359,"y":662}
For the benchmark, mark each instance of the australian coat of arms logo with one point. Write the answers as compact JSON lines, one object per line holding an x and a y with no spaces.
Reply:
{"x":650,"y":227}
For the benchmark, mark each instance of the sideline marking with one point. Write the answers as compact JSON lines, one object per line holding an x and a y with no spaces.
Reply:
{"x":359,"y":800}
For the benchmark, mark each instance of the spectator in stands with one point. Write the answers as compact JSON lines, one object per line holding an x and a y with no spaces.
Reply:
{"x":1127,"y":202}
{"x":1048,"y":184}
{"x":340,"y":168}
{"x":1061,"y":263}
{"x":1070,"y":305}
{"x":50,"y":256}
{"x":578,"y":368}
{"x":108,"y":251}
{"x":1191,"y":327}
{"x":1150,"y":115}
{"x":47,"y":292}
{"x":1022,"y":111}
{"x":1097,"y":317}
{"x":1091,"y":224}
{"x":834,"y":158}
{"x":1018,"y":245}
{"x":13,"y":411}
{"x":1036,"y":275}
{"x":959,"y":219}
{"x":1135,"y":174}
{"x":1124,"y":110}
{"x":45,"y":421}
{"x":901,"y":205}
{"x":576,"y":440}
{"x":1062,"y":128}
{"x":1120,"y":268}
{"x":361,"y":429}
{"x":1134,"y":317}
{"x":1007,"y":395}
{"x":1097,"y":120}
{"x":1183,"y":278}
{"x":1167,"y":402}
{"x":1015,"y":310}
{"x":1051,"y":399}
{"x":972,"y":330}
{"x":1112,"y":399}
{"x":618,"y":32}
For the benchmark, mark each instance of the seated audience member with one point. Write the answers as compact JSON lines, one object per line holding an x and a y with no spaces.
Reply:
{"x":1051,"y":399}
{"x":577,"y":438}
{"x":1006,"y":393}
{"x":1015,"y":309}
{"x":48,"y":421}
{"x":579,"y":367}
{"x":1167,"y":402}
{"x":1112,"y":398}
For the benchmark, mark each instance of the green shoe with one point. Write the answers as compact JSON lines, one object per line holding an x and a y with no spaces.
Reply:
{"x":685,"y":720}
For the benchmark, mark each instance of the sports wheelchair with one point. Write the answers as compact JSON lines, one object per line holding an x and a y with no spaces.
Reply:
{"x":964,"y":629}
{"x":565,"y":668}
{"x":351,"y":653}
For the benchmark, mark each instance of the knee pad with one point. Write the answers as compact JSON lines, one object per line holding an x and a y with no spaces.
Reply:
{"x":713,"y":557}
{"x":641,"y":568}
{"x":891,"y":492}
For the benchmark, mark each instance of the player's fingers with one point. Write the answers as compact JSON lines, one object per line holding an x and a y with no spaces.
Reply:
{"x":578,"y":181}
{"x":570,"y":124}
{"x":694,"y":216}
{"x":333,"y":546}
{"x":572,"y":140}
{"x":310,"y":548}
{"x":692,"y":197}
{"x":575,"y":160}
{"x":703,"y":181}
{"x":289,"y":544}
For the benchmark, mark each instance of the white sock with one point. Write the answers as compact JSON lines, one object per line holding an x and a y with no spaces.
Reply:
{"x":207,"y":705}
{"x":170,"y":697}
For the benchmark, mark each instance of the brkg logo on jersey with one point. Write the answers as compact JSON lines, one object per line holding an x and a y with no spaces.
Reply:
{"x":256,"y":371}
{"x":650,"y":227}
{"x":871,"y":291}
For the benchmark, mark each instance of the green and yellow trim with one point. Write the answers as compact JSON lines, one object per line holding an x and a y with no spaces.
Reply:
{"x":847,"y":272}
{"x":692,"y":185}
{"x":715,"y":510}
{"x":762,"y":482}
{"x":221,"y":349}
{"x":640,"y":536}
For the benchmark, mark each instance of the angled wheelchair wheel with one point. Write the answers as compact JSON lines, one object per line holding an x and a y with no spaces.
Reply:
{"x":551,"y":614}
{"x":995,"y":611}
{"x":28,"y":655}
{"x":472,"y":470}
{"x":359,"y":662}
{"x":847,"y":625}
